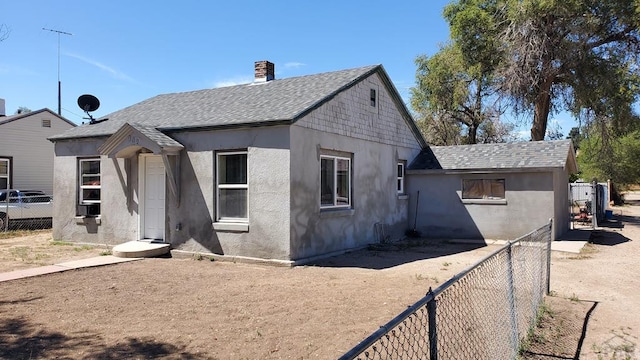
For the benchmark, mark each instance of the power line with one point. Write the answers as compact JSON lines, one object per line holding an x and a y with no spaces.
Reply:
{"x":59,"y":82}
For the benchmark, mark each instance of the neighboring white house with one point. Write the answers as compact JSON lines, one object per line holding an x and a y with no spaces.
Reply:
{"x":26,"y":156}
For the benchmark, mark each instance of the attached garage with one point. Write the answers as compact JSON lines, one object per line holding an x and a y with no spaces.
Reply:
{"x":491,"y":191}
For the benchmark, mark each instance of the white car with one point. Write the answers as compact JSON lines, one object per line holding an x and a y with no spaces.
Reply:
{"x":24,"y":206}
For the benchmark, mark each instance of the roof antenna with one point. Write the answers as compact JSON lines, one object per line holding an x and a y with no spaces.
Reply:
{"x":59,"y":82}
{"x":89,"y":103}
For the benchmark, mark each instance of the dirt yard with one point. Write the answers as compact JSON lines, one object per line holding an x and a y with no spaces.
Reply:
{"x":199,"y":309}
{"x":594,"y":310}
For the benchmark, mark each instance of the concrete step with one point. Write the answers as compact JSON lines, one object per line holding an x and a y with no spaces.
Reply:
{"x":140,"y":249}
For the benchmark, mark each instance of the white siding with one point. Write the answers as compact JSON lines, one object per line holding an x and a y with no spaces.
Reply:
{"x":25,"y":140}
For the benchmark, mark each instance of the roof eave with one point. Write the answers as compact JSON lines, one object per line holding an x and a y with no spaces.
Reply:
{"x":483,"y":170}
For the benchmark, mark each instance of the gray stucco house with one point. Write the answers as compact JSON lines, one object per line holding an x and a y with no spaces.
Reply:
{"x":281,"y":169}
{"x":492,"y":191}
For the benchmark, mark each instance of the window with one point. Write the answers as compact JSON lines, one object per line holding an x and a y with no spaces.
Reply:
{"x":4,"y":174}
{"x":372,"y":96}
{"x":335,"y":182}
{"x":89,"y":180}
{"x":400,"y":182}
{"x":489,"y":189}
{"x":232,"y":185}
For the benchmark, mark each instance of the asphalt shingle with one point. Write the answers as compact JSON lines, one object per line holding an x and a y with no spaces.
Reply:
{"x":517,"y":155}
{"x":282,"y":100}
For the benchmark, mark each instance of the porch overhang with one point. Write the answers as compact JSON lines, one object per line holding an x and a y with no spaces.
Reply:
{"x":130,"y":139}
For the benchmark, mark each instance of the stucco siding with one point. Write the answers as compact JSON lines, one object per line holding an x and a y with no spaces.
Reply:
{"x":317,"y":231}
{"x":529,"y":204}
{"x":117,"y":223}
{"x":25,"y":140}
{"x":189,"y":226}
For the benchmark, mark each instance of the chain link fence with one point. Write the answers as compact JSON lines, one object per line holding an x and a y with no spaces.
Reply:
{"x":25,"y":210}
{"x":483,"y":312}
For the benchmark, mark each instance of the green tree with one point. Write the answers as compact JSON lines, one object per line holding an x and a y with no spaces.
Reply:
{"x":575,"y":136}
{"x":452,"y":93}
{"x":555,"y":54}
{"x":23,"y":110}
{"x":603,"y":156}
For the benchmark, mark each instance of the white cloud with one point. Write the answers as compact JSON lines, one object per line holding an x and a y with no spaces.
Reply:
{"x":293,"y":65}
{"x":113,"y":72}
{"x":238,"y":80}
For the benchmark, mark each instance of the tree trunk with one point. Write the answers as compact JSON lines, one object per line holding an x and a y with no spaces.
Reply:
{"x":542,"y":107}
{"x":473,"y":134}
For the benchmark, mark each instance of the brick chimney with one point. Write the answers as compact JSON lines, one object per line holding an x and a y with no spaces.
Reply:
{"x":264,"y":71}
{"x":3,"y":111}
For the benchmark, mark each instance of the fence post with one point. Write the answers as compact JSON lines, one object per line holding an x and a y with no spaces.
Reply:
{"x":549,"y":257}
{"x":512,"y":301}
{"x":433,"y":332}
{"x":6,"y":212}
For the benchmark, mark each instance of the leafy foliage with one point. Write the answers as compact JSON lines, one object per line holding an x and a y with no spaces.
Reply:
{"x":604,"y":157}
{"x":455,"y":89}
{"x":551,"y":55}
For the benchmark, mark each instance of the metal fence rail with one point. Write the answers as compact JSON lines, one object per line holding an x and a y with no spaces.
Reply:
{"x":484,"y":312}
{"x":28,"y":210}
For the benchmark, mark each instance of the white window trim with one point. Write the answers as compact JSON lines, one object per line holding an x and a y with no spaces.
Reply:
{"x":81,"y":187}
{"x":335,"y":181}
{"x":400,"y":178}
{"x":8,"y":175}
{"x":230,"y":186}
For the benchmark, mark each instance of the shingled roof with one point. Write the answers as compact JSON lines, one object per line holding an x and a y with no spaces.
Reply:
{"x":10,"y":118}
{"x":280,"y":101}
{"x":517,"y":155}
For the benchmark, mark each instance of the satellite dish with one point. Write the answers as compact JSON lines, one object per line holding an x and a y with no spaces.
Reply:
{"x":88,"y":103}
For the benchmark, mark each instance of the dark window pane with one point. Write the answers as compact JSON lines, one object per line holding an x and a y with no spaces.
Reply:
{"x":90,"y":167}
{"x":91,"y":194}
{"x":4,"y":183}
{"x":343,"y":182}
{"x":233,"y":169}
{"x":326,"y":182}
{"x":233,"y":203}
{"x":90,"y":180}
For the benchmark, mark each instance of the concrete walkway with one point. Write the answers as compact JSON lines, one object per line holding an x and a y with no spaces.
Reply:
{"x":70,"y":265}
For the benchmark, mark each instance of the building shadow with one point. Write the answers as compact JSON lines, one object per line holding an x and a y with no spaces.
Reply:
{"x":22,"y":339}
{"x":384,"y":256}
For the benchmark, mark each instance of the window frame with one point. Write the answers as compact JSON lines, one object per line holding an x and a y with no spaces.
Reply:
{"x":219,"y":186}
{"x":335,"y":204}
{"x":400,"y":173}
{"x":8,"y":175}
{"x":81,"y":187}
{"x":487,"y":196}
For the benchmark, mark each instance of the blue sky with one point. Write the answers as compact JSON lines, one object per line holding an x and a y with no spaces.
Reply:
{"x":126,"y":51}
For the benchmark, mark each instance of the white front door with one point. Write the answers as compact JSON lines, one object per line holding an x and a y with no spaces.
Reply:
{"x":153,"y":191}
